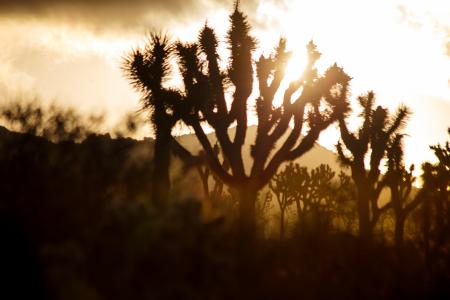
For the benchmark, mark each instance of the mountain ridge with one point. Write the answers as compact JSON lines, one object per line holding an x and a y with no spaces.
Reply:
{"x":313,"y":158}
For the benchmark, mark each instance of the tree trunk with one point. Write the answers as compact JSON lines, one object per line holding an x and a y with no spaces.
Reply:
{"x":301,"y":219}
{"x":246,"y":247}
{"x":399,"y":230}
{"x":365,"y":226}
{"x":426,"y":230}
{"x":440,"y":217}
{"x":161,"y":164}
{"x":204,"y":176}
{"x":247,"y":216}
{"x":282,"y":214}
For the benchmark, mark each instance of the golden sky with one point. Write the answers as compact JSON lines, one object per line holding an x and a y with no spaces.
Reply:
{"x":69,"y":51}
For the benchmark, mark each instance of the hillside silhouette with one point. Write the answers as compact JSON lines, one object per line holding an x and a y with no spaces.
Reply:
{"x":122,"y":164}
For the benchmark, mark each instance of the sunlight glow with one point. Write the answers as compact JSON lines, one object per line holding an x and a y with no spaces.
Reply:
{"x":296,"y":66}
{"x":397,"y":48}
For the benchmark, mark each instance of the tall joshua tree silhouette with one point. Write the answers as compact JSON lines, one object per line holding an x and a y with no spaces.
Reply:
{"x":373,"y":139}
{"x":205,"y":90}
{"x":207,"y":87}
{"x":147,"y":69}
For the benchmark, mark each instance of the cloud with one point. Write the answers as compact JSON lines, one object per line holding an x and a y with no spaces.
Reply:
{"x":111,"y":14}
{"x":39,"y":7}
{"x":407,"y":16}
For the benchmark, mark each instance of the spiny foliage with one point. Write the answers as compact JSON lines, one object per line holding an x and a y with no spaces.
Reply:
{"x":442,"y":152}
{"x":378,"y":134}
{"x":147,"y":69}
{"x":241,"y":44}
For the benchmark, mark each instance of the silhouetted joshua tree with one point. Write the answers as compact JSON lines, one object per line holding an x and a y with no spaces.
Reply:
{"x":203,"y":101}
{"x":435,"y":209}
{"x":314,"y":194}
{"x":284,"y":186}
{"x":373,"y":139}
{"x":321,"y":202}
{"x":147,"y":70}
{"x":345,"y":212}
{"x":442,"y":184}
{"x":207,"y":88}
{"x":400,"y":181}
{"x":296,"y":184}
{"x":315,"y":197}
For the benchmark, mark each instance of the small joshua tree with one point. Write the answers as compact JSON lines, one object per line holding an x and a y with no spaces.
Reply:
{"x":321,"y":202}
{"x":373,"y":139}
{"x":284,"y":186}
{"x":313,"y":193}
{"x":345,"y":207}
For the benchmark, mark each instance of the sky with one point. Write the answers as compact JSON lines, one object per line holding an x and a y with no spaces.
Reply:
{"x":70,"y":51}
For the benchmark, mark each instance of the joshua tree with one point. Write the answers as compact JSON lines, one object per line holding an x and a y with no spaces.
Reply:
{"x":207,"y":88}
{"x":321,"y":202}
{"x":373,"y":139}
{"x":147,"y":69}
{"x":313,"y":192}
{"x":435,"y":209}
{"x":284,"y":186}
{"x":443,"y":190}
{"x":219,"y":98}
{"x":345,"y":197}
{"x":400,"y":181}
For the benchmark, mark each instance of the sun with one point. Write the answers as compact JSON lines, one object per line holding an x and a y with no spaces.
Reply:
{"x":293,"y":72}
{"x":295,"y":66}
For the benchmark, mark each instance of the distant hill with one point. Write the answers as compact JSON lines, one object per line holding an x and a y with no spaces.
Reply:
{"x":318,"y":154}
{"x":117,"y":169}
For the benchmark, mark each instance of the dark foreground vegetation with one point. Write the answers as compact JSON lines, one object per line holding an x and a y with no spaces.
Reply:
{"x":86,"y":216}
{"x":76,"y":224}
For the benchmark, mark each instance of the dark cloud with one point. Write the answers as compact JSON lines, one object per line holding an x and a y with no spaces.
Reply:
{"x":115,"y":13}
{"x":45,"y":6}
